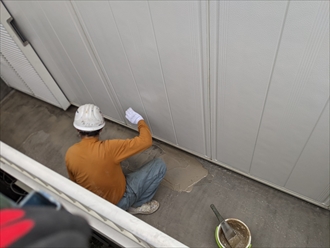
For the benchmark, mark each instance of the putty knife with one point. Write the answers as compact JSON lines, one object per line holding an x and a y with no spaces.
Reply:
{"x":228,"y":231}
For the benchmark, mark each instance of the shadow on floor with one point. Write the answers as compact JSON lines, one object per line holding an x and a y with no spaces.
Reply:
{"x":4,"y":89}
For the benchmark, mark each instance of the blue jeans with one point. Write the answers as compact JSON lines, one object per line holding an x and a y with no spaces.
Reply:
{"x":142,"y":184}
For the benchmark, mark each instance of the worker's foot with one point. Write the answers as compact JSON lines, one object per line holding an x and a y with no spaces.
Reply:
{"x":147,"y":208}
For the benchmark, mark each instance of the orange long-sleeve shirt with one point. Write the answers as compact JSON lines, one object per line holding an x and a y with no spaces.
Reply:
{"x":95,"y":164}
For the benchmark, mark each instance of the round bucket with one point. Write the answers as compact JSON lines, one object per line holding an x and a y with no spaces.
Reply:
{"x":241,"y":230}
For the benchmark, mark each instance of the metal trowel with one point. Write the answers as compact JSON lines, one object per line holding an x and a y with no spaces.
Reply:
{"x":230,"y":234}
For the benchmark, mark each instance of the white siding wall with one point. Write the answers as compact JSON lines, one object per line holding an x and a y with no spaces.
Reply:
{"x":242,"y":83}
{"x":244,"y":37}
{"x":298,"y":92}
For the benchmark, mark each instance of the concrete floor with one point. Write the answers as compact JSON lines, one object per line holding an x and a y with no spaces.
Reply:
{"x":275,"y":219}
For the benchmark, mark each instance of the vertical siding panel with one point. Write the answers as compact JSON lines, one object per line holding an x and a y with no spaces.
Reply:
{"x":68,"y":31}
{"x":178,"y":36}
{"x":134,"y":23}
{"x":204,"y":43}
{"x":244,"y":39}
{"x":105,"y":39}
{"x":310,"y":176}
{"x":298,"y":92}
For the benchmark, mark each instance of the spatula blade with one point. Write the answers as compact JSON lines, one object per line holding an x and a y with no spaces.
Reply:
{"x":232,"y":238}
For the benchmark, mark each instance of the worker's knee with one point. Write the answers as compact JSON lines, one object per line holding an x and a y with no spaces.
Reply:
{"x":160,"y":164}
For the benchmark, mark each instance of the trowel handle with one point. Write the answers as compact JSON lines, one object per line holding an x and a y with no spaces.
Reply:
{"x":220,"y":218}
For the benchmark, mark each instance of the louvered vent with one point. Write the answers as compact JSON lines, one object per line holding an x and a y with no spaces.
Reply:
{"x":13,"y":61}
{"x":22,"y":69}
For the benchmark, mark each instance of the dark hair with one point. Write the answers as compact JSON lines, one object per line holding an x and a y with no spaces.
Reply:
{"x":90,"y":134}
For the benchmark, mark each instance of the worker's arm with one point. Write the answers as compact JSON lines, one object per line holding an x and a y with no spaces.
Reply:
{"x":123,"y":149}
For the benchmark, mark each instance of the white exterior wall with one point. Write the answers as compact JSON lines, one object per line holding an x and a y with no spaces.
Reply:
{"x":244,"y":84}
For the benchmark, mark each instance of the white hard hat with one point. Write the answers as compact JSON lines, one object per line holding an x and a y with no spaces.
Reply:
{"x":88,"y":118}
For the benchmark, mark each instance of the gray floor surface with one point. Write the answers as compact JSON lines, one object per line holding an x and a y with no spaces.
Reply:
{"x":275,"y":219}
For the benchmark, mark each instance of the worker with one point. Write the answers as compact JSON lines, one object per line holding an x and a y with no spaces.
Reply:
{"x":95,"y":164}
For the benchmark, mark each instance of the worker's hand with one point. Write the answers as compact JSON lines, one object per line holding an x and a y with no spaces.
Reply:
{"x":132,"y":116}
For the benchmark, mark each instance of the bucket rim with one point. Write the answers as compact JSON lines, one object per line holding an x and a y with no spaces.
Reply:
{"x":217,"y":238}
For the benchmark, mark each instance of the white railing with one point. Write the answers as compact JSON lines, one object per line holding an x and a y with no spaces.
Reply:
{"x":114,"y":223}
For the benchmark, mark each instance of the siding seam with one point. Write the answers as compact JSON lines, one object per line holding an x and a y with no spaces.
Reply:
{"x":162,"y":74}
{"x":269,"y":83}
{"x":310,"y":135}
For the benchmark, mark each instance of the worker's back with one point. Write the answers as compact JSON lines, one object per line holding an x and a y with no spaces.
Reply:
{"x":91,"y":164}
{"x":95,"y":164}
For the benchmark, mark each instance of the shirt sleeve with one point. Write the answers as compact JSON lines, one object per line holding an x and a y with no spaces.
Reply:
{"x":123,"y":149}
